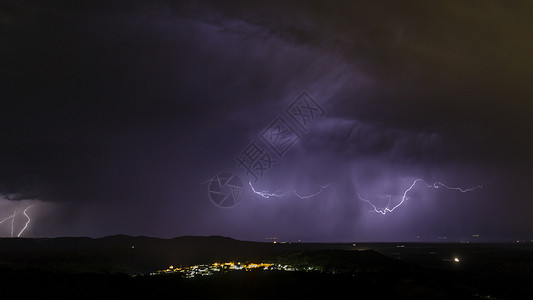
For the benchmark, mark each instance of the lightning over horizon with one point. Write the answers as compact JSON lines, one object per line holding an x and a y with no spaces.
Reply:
{"x":154,"y":121}
{"x":435,"y":185}
{"x":12,"y":218}
{"x":27,"y":222}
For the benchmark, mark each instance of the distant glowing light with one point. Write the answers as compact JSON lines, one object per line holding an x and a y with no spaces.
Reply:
{"x":455,"y":259}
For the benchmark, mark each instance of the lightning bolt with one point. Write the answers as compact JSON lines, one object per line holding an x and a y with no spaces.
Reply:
{"x":435,"y":185}
{"x":265,"y":194}
{"x":322,"y":187}
{"x":27,"y":222}
{"x":13,"y":221}
{"x":281,"y":193}
{"x":13,"y":216}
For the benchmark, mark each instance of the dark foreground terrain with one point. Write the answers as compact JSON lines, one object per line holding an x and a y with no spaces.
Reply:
{"x":117,"y":267}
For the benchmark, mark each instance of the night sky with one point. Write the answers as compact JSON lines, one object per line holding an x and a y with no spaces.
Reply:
{"x":115,"y":117}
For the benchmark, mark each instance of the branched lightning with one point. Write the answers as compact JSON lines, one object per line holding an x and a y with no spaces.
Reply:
{"x":435,"y":185}
{"x":12,"y":218}
{"x":281,"y":193}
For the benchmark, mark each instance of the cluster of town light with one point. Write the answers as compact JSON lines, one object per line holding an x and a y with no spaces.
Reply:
{"x":205,"y":270}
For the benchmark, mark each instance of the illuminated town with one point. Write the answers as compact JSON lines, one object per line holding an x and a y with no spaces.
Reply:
{"x":219,"y":268}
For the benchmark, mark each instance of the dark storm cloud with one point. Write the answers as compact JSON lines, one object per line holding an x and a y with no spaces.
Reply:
{"x":124,"y":108}
{"x":457,"y":69}
{"x":102,"y":78}
{"x":350,"y":139}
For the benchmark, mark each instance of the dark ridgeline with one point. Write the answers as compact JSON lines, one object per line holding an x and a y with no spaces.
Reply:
{"x":134,"y":255}
{"x":102,"y":268}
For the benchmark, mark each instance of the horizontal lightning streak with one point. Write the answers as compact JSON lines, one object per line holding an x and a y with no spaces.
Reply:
{"x":279,"y":194}
{"x":322,"y":187}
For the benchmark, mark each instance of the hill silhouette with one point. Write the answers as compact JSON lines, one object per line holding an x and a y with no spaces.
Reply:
{"x":116,"y":266}
{"x":134,"y":255}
